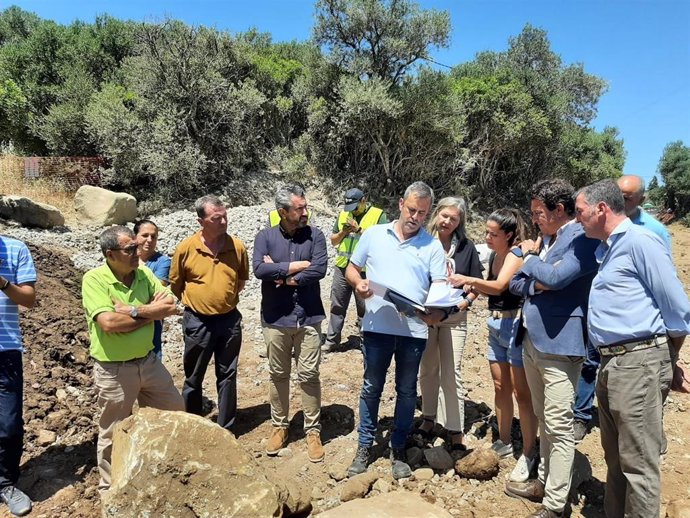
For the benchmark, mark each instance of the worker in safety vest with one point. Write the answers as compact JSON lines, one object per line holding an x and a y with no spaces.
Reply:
{"x":356,"y":217}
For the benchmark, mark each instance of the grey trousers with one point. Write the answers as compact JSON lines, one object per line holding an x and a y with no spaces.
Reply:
{"x":341,"y":292}
{"x":630,"y":392}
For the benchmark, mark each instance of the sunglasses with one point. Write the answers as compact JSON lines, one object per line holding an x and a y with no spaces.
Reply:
{"x":129,"y":250}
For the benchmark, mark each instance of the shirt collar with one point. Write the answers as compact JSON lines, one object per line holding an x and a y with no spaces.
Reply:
{"x":604,"y":246}
{"x":390,"y":228}
{"x":110,"y":276}
{"x":201,"y":247}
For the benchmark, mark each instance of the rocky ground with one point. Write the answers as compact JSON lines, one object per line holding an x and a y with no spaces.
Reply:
{"x":59,"y":462}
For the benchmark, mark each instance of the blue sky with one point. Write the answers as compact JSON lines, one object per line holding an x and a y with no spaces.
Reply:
{"x":640,"y":47}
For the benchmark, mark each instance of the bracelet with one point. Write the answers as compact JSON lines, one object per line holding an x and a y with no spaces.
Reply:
{"x":469,"y":302}
{"x":6,"y":285}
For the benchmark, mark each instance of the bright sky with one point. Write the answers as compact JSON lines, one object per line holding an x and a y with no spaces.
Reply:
{"x":640,"y":47}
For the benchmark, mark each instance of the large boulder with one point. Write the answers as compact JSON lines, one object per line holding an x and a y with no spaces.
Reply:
{"x":389,"y":505}
{"x":176,"y":464}
{"x":101,"y":207}
{"x":30,"y":213}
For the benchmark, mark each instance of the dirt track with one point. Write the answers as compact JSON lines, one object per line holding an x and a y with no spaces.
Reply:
{"x":59,"y":472}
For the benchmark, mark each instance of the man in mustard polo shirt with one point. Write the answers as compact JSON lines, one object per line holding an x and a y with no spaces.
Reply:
{"x":121,"y":301}
{"x":209,"y":270}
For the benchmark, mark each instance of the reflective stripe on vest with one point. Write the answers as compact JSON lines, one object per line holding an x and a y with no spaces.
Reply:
{"x":274,"y":217}
{"x":348,"y":244}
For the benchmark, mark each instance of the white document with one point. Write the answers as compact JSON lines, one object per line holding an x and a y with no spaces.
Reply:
{"x":443,"y":295}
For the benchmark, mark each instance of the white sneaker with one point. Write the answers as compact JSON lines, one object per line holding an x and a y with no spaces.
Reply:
{"x":523,"y":468}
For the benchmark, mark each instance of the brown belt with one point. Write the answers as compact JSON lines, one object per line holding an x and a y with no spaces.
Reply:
{"x":637,"y":345}
{"x":510,"y":313}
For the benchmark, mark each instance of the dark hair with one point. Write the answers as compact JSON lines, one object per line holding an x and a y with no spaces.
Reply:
{"x":284,"y":195}
{"x":606,"y":191}
{"x":209,"y":199}
{"x":109,"y":238}
{"x":552,"y":192}
{"x":141,"y":223}
{"x":511,"y":220}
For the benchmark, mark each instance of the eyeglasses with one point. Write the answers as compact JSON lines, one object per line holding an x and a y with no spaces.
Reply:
{"x":129,"y":250}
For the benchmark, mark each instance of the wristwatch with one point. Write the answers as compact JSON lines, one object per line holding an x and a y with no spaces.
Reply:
{"x":133,"y":312}
{"x":532,"y":252}
{"x":6,"y":285}
{"x":469,"y":302}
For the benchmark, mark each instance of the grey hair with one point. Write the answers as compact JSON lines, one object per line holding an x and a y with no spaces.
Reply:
{"x":606,"y":191}
{"x":109,"y":238}
{"x":285,"y":193}
{"x":209,"y":199}
{"x":455,"y":202}
{"x":421,"y":190}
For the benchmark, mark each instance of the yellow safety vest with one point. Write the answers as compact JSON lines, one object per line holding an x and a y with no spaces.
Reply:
{"x":348,"y":244}
{"x":274,"y":217}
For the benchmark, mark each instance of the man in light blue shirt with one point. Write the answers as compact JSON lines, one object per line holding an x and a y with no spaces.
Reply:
{"x":638,"y":317}
{"x":17,"y":278}
{"x":404,"y":256}
{"x":633,"y":190}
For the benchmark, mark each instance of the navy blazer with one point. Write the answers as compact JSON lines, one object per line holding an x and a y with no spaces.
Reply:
{"x":556,"y":318}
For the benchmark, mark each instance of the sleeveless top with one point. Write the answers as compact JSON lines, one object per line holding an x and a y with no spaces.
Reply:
{"x":506,"y":301}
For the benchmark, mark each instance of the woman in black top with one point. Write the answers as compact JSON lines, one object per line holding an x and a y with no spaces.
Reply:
{"x":505,"y":228}
{"x":442,"y":358}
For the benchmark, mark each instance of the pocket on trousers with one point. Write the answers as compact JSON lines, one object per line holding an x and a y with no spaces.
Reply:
{"x":106,"y":371}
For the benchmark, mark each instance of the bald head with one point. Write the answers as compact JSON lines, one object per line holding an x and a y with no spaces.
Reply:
{"x":632,"y":187}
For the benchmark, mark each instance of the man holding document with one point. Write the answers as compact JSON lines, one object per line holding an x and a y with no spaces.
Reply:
{"x":404,"y":258}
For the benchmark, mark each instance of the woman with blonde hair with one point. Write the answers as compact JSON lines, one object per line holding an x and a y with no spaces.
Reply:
{"x":440,"y":376}
{"x":505,"y":228}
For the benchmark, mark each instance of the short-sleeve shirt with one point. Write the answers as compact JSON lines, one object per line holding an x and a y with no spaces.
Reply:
{"x":17,"y":266}
{"x":409,"y":267}
{"x":159,"y":264}
{"x":646,"y":220}
{"x":99,"y":288}
{"x":208,"y":284}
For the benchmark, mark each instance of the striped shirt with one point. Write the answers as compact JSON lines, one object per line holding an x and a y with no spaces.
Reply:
{"x":17,"y":267}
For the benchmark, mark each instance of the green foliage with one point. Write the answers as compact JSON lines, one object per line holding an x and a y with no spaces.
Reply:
{"x":656,"y":193}
{"x":379,"y":38}
{"x":674,"y":168}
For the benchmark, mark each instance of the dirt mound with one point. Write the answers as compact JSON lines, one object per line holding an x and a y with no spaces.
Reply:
{"x":59,"y":404}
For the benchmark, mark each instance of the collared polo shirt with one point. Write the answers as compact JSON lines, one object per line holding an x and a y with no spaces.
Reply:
{"x":409,"y":267}
{"x":646,"y":220}
{"x":98,"y":289}
{"x":205,"y":283}
{"x":17,"y":266}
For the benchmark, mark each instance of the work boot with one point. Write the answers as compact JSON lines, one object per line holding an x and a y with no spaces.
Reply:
{"x":399,"y":465}
{"x":277,"y":440}
{"x":360,"y":462}
{"x":532,"y":490}
{"x":314,"y":447}
{"x":18,"y":503}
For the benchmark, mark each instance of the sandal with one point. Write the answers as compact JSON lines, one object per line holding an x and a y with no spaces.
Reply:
{"x":456,"y":446}
{"x":427,"y":435}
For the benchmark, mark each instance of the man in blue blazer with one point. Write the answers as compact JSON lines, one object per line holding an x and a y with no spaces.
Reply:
{"x":555,"y":281}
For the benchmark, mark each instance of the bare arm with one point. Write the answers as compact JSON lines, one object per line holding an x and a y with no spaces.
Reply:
{"x":112,"y":322}
{"x":511,"y":265}
{"x":353,"y":275}
{"x":337,"y":238}
{"x":23,"y":294}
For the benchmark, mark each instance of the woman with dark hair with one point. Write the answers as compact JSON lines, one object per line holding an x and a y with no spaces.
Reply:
{"x":147,"y":236}
{"x":505,"y":228}
{"x":440,"y":376}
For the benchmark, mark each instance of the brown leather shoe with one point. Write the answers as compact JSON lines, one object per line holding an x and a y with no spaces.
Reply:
{"x":545,"y":512}
{"x":314,"y":447}
{"x":532,"y":490}
{"x":277,"y":440}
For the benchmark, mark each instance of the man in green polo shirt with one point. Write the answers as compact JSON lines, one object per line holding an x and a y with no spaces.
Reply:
{"x":122,"y":300}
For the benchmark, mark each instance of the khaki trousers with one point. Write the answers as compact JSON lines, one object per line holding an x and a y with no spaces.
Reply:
{"x":118,"y":386}
{"x":630,"y":392}
{"x":440,"y":373}
{"x":306,"y":344}
{"x":552,"y":380}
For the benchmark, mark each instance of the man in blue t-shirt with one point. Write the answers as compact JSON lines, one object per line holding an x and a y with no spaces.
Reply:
{"x":17,"y":278}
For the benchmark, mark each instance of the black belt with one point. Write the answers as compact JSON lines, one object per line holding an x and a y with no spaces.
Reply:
{"x":633,"y":345}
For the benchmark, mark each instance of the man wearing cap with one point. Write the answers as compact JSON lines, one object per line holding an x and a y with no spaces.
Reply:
{"x":638,"y":318}
{"x":357,"y":215}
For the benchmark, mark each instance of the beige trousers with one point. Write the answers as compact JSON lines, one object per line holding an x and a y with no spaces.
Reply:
{"x":552,"y":380}
{"x":440,"y":373}
{"x":306,"y":344}
{"x":118,"y":386}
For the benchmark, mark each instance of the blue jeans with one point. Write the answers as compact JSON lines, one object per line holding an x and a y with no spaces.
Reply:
{"x":11,"y":423}
{"x":584,"y":396}
{"x":379,"y":349}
